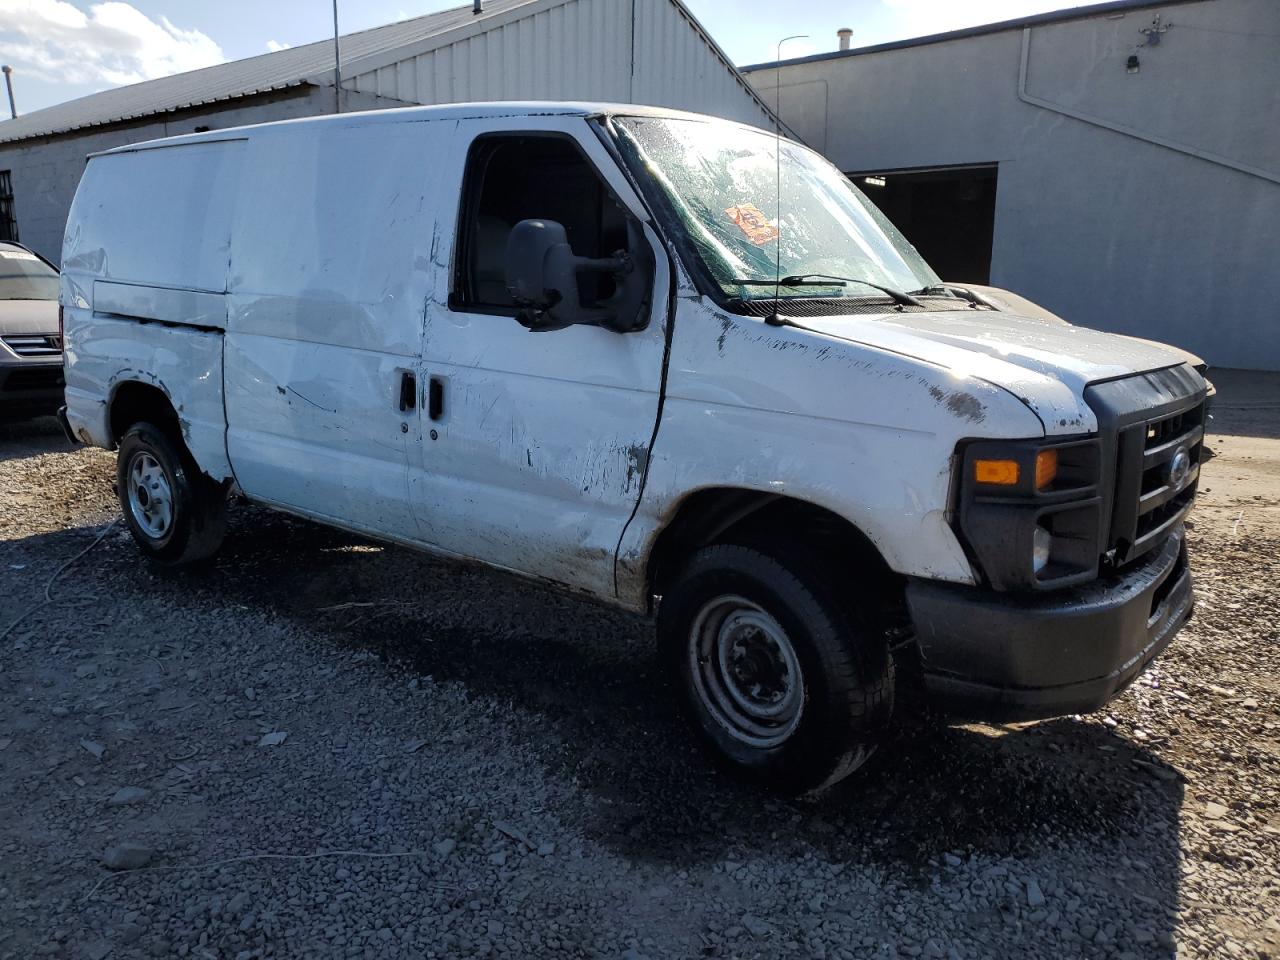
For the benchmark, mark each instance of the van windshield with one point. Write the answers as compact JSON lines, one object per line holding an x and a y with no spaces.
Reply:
{"x":723,"y":182}
{"x":24,"y":276}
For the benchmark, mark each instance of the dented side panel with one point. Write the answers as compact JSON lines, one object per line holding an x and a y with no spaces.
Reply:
{"x":141,"y":302}
{"x":144,"y":270}
{"x":866,"y":433}
{"x":159,"y":216}
{"x":185,"y":364}
{"x":307,"y":266}
{"x":536,"y":461}
{"x":328,"y":286}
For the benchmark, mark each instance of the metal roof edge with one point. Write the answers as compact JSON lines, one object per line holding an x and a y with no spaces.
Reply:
{"x":718,"y":51}
{"x":160,"y":111}
{"x":134,"y":117}
{"x":481,"y":24}
{"x":1019,"y":23}
{"x":519,"y":12}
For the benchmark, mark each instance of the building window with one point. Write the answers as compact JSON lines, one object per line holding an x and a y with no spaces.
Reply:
{"x":8,"y":222}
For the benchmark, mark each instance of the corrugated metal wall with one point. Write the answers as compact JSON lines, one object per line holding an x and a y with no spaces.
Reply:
{"x":576,"y":50}
{"x":676,"y":67}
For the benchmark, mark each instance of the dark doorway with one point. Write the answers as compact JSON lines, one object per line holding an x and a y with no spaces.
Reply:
{"x":949,"y":214}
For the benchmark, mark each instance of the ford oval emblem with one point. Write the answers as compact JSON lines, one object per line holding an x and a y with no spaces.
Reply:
{"x":1179,"y":467}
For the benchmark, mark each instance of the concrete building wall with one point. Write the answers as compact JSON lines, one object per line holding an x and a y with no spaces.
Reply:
{"x":1176,"y":242}
{"x":45,"y":171}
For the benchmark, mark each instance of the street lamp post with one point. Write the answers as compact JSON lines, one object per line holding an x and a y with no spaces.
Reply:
{"x":337,"y":64}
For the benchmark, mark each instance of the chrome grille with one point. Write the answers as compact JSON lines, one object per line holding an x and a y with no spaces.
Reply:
{"x":34,"y":345}
{"x":1153,"y":425}
{"x":1170,"y":469}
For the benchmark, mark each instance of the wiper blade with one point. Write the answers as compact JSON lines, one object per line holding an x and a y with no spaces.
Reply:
{"x":948,"y":290}
{"x":826,"y":280}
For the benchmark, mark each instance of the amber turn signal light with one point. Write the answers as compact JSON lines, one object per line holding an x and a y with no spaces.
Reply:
{"x":1003,"y":473}
{"x":1046,"y":468}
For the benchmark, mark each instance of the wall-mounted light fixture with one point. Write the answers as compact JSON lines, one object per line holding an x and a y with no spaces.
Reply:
{"x":1154,"y":32}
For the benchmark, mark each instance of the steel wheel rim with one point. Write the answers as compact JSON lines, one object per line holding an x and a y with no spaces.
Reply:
{"x":150,"y":496}
{"x":746,"y":671}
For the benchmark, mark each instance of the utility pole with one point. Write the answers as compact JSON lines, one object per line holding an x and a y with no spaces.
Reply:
{"x":337,"y":64}
{"x":8,"y":82}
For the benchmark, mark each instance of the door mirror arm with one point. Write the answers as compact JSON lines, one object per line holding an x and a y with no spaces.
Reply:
{"x":542,"y":278}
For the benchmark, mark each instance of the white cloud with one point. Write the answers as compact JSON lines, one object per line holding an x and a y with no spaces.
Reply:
{"x":275,"y":46}
{"x":937,"y":16}
{"x":113,"y":43}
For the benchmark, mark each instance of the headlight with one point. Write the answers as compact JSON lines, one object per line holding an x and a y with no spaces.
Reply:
{"x":1029,"y":511}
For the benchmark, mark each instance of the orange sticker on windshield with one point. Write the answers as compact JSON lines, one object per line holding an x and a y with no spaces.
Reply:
{"x":753,"y":223}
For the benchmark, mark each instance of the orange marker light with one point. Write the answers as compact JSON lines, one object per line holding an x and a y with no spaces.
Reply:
{"x":1003,"y":473}
{"x":1046,"y":468}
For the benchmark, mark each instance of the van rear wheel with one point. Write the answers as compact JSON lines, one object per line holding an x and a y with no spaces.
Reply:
{"x":177,"y":514}
{"x":788,"y":684}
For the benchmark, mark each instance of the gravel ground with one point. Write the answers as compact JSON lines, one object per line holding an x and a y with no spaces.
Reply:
{"x":323,"y":747}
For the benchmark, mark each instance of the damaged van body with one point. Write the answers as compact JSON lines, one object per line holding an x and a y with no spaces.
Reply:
{"x":668,"y":361}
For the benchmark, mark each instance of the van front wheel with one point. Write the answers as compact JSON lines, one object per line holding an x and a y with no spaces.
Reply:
{"x":785,"y":681}
{"x":176,"y":514}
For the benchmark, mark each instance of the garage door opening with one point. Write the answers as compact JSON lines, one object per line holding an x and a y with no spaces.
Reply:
{"x":949,"y":214}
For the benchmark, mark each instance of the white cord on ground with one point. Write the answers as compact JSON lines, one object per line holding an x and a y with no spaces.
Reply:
{"x":48,"y":597}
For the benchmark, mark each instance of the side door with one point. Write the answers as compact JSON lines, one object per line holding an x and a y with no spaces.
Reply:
{"x":329,"y":281}
{"x":535,"y":444}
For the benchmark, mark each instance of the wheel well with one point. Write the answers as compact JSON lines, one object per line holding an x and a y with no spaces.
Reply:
{"x":134,"y":401}
{"x":721,"y":515}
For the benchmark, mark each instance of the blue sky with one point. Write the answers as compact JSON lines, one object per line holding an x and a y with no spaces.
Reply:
{"x":62,"y":49}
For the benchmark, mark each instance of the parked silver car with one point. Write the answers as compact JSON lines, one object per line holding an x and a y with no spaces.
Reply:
{"x":30,"y":341}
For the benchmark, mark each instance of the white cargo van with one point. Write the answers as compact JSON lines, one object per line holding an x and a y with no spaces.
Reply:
{"x":638,"y":354}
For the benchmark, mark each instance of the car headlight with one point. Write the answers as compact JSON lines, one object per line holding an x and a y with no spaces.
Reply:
{"x":1030,"y":511}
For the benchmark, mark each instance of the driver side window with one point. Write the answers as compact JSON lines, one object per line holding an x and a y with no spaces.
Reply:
{"x":514,"y":177}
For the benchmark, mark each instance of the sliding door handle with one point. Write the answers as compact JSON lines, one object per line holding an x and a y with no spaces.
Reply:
{"x":408,"y":391}
{"x":435,"y":398}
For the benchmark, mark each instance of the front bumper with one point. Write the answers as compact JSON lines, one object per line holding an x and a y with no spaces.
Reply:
{"x":1025,"y":656}
{"x":30,"y":387}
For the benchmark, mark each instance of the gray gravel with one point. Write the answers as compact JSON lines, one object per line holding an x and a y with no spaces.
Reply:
{"x":321,"y":747}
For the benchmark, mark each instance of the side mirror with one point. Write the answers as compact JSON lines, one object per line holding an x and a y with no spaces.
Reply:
{"x":542,"y":278}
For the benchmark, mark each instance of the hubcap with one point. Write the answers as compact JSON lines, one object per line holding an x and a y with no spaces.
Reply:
{"x":746,"y":672}
{"x":150,"y":496}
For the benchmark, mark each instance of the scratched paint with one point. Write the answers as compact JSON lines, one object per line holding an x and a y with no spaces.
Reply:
{"x":184,"y":364}
{"x":289,"y":310}
{"x":960,"y":403}
{"x":857,"y":417}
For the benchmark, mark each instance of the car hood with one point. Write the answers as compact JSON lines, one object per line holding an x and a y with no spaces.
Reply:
{"x":1046,"y":364}
{"x":28,"y":317}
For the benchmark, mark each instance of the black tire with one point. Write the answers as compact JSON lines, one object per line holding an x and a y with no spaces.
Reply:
{"x":846,"y":670}
{"x":196,"y":518}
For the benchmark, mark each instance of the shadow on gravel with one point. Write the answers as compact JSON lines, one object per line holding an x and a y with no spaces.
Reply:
{"x":28,"y":438}
{"x":591,"y":672}
{"x":606,"y":722}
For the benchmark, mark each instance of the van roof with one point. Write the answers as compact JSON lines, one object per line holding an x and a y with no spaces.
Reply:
{"x":452,"y":111}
